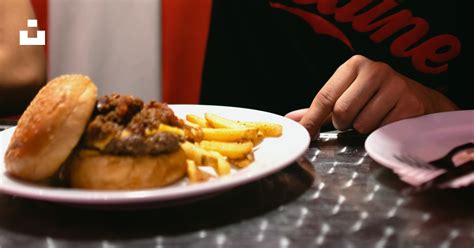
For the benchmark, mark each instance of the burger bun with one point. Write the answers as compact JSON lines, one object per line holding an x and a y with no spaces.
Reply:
{"x":50,"y":127}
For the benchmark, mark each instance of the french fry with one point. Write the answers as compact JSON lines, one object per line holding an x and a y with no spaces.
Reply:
{"x":190,"y":124}
{"x":192,"y":171}
{"x":268,"y":129}
{"x":230,"y":150}
{"x":242,"y":163}
{"x":221,"y":122}
{"x":219,"y":142}
{"x":203,"y":157}
{"x":195,"y":174}
{"x":229,"y":135}
{"x":223,"y":166}
{"x":258,"y":139}
{"x":194,"y":153}
{"x":197,"y":120}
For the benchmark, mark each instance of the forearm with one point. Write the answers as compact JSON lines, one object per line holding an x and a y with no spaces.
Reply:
{"x":22,"y":68}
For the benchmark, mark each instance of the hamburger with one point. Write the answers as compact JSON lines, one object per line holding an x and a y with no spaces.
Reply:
{"x":109,"y":143}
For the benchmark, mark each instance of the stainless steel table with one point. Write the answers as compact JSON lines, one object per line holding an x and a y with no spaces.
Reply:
{"x":336,"y":196}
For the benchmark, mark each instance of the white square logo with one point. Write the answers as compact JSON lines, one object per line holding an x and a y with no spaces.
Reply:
{"x":39,"y":40}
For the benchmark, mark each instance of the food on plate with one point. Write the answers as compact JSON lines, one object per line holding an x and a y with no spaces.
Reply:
{"x":230,"y":150}
{"x":221,"y":143}
{"x":221,"y":122}
{"x":120,"y":148}
{"x":200,"y":122}
{"x":229,"y":135}
{"x":195,"y":174}
{"x":118,"y":142}
{"x":103,"y":143}
{"x":263,"y":129}
{"x":268,"y":129}
{"x":202,"y":156}
{"x":50,"y":128}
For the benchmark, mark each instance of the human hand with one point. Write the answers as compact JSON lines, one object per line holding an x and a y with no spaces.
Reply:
{"x":364,"y":95}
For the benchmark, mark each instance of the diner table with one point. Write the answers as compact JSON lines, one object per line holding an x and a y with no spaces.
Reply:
{"x":333,"y":196}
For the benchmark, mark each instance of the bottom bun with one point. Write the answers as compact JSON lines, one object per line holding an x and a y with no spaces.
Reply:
{"x":92,"y":170}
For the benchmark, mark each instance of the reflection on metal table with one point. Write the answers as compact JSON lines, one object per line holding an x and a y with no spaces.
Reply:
{"x":335,"y":196}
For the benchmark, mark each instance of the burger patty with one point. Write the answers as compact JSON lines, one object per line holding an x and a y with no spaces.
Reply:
{"x":124,"y":125}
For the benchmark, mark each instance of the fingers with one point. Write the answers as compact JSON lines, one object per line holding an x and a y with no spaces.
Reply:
{"x":365,"y":86}
{"x":326,"y":98}
{"x":378,"y":107}
{"x":364,"y":94}
{"x":297,"y":114}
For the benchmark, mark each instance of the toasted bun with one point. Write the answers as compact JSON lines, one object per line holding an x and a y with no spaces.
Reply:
{"x":92,"y":170}
{"x":50,"y":127}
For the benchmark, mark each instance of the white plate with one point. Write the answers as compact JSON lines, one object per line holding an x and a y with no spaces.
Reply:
{"x":423,"y":139}
{"x":272,"y":155}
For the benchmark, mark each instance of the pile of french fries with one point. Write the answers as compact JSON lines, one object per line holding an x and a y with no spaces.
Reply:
{"x":220,"y":143}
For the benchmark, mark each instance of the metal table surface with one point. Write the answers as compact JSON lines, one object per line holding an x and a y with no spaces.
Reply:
{"x":335,"y":196}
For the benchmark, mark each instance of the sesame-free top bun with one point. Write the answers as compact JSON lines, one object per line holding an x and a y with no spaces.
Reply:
{"x":50,"y":127}
{"x":90,"y":170}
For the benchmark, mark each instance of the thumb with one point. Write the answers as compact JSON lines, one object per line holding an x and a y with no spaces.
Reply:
{"x":296,"y":115}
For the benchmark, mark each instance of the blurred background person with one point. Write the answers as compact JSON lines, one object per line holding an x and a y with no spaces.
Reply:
{"x":22,"y":68}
